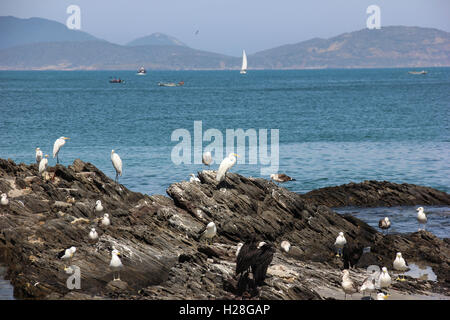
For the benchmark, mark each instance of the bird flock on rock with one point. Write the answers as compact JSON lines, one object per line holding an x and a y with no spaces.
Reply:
{"x":252,"y":257}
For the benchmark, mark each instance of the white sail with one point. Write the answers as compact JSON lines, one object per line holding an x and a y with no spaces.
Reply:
{"x":244,"y":62}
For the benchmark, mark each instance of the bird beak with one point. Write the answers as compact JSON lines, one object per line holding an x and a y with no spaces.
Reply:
{"x":118,"y":253}
{"x":65,"y":138}
{"x":235,"y":154}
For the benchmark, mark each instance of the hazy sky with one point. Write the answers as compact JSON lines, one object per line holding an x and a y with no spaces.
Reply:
{"x":228,"y":26}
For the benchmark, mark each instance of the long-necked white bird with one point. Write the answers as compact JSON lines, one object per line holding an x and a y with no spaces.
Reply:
{"x":421,"y":217}
{"x":347,"y":284}
{"x":115,"y":264}
{"x":39,"y":155}
{"x":4,"y":199}
{"x":340,"y":243}
{"x":57,"y":146}
{"x":225,"y":165}
{"x":385,"y":279}
{"x":207,"y":158}
{"x":105,"y":221}
{"x":43,"y":164}
{"x":117,"y":163}
{"x":400,"y":265}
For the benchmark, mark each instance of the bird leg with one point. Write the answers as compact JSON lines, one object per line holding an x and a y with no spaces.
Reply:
{"x":57,"y":158}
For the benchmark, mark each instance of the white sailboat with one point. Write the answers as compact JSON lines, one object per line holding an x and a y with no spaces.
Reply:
{"x":244,"y":63}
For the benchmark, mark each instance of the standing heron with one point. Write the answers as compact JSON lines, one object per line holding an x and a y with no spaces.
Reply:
{"x":57,"y":146}
{"x":225,"y":165}
{"x":117,"y":163}
{"x":43,"y":164}
{"x":38,"y":155}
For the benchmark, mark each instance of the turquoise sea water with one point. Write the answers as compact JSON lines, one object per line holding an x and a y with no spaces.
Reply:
{"x":335,"y":126}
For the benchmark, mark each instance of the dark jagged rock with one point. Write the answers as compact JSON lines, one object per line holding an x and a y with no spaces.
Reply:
{"x":377,"y":194}
{"x":156,"y":236}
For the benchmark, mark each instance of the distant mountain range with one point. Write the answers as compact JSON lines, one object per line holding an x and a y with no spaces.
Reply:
{"x":40,"y":44}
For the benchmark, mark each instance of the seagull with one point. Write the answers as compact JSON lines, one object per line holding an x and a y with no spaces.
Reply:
{"x":225,"y":165}
{"x":384,"y":224}
{"x":385,"y":278}
{"x":210,"y":231}
{"x":43,"y":164}
{"x":340,"y":243}
{"x":207,"y":158}
{"x":421,"y":217}
{"x":194,"y":178}
{"x":117,"y":163}
{"x":115,"y":264}
{"x":400,"y":265}
{"x":4,"y":199}
{"x":93,"y":235}
{"x":57,"y":146}
{"x":105,"y":221}
{"x":98,"y":206}
{"x":281,"y":177}
{"x":67,"y":255}
{"x":261,"y":244}
{"x":368,"y":285}
{"x":382,"y":296}
{"x":285,"y":246}
{"x":38,"y":155}
{"x":347,"y":284}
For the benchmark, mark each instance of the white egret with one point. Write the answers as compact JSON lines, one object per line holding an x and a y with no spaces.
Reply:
{"x":400,"y":265}
{"x":225,"y":165}
{"x":43,"y":164}
{"x":207,"y":158}
{"x":57,"y":146}
{"x":340,"y":243}
{"x":385,"y":278}
{"x":347,"y":284}
{"x":38,"y":155}
{"x":115,"y":264}
{"x":105,"y":221}
{"x":421,"y":217}
{"x":117,"y":163}
{"x":384,"y":224}
{"x":194,"y":178}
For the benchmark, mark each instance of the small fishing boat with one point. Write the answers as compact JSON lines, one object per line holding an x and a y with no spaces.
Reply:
{"x":142,"y":71}
{"x":170,"y":84}
{"x":244,"y":63}
{"x":116,"y":80}
{"x":418,"y":72}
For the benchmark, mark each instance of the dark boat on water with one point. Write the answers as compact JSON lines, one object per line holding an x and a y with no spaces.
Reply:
{"x":116,"y":80}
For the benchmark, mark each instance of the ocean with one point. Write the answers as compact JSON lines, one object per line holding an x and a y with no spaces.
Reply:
{"x":334,"y":126}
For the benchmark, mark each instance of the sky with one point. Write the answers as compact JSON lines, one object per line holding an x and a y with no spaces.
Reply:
{"x":228,"y":26}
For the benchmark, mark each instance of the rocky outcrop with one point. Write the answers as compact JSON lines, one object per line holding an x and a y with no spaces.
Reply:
{"x":158,"y":237}
{"x":377,"y":194}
